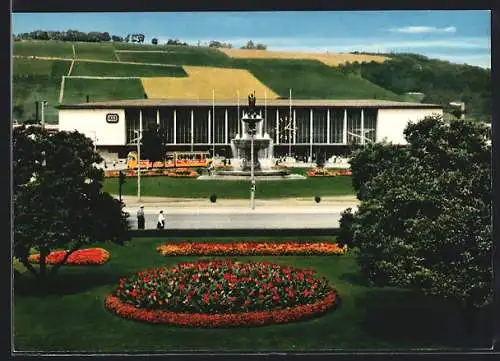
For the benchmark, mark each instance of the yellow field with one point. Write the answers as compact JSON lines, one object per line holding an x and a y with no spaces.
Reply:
{"x":331,"y":59}
{"x":201,"y":81}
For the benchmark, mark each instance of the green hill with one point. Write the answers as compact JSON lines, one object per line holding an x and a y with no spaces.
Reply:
{"x":440,"y":81}
{"x":40,"y":79}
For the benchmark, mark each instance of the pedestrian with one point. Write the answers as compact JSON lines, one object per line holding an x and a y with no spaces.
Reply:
{"x":161,"y":220}
{"x":140,"y":217}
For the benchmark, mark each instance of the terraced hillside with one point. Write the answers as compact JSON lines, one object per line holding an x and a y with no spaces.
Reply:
{"x":69,"y":72}
{"x":330,"y":59}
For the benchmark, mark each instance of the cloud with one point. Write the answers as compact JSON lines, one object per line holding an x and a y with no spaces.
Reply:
{"x":423,"y":30}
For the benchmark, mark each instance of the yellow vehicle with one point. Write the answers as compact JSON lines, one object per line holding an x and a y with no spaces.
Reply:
{"x":172,"y":160}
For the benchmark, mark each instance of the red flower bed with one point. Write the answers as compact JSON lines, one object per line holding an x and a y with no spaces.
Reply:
{"x":221,"y":293}
{"x":251,"y":249}
{"x":80,"y":257}
{"x":321,"y":172}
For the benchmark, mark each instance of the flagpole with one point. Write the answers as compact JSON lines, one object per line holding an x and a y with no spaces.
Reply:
{"x":239,"y":126}
{"x":213,"y":123}
{"x":290,"y":126}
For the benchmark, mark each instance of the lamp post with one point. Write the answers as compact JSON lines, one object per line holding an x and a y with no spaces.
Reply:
{"x":43,"y":103}
{"x":251,"y":131}
{"x":138,"y":139}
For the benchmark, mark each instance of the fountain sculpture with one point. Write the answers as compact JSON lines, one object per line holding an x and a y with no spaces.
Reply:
{"x":261,"y":157}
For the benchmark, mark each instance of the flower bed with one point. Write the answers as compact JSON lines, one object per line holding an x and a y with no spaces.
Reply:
{"x":221,"y":294}
{"x":180,"y":172}
{"x":321,"y":172}
{"x":251,"y":249}
{"x":80,"y":257}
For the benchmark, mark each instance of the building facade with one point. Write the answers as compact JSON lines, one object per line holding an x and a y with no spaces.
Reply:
{"x":300,"y":128}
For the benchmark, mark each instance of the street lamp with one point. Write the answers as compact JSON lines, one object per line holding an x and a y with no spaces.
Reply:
{"x":138,"y":141}
{"x":43,"y":104}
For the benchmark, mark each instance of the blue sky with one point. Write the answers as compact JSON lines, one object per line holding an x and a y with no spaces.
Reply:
{"x":457,"y":36}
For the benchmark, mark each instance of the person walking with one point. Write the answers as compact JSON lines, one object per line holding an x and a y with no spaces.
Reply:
{"x":140,"y":217}
{"x":161,"y":221}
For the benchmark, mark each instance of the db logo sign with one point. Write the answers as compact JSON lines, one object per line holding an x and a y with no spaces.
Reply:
{"x":112,"y":118}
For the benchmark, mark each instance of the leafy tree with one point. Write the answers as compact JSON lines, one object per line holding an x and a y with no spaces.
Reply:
{"x":424,"y":221}
{"x":154,"y":41}
{"x":153,"y":146}
{"x":18,"y":111}
{"x":58,"y":201}
{"x":116,"y":38}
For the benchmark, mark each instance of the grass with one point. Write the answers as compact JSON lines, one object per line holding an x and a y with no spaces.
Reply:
{"x":76,"y":90}
{"x":311,"y":79}
{"x":104,"y":51}
{"x":180,"y":55}
{"x":192,"y":188}
{"x":40,"y":84}
{"x":72,"y":317}
{"x":50,"y":48}
{"x":26,"y":67}
{"x":113,"y":69}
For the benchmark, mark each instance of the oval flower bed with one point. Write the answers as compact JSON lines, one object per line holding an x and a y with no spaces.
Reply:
{"x":80,"y":257}
{"x":251,"y":249}
{"x":221,"y":293}
{"x":321,"y":172}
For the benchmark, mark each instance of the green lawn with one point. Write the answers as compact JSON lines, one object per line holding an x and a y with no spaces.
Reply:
{"x":48,"y":48}
{"x":37,"y":80}
{"x":72,"y":316}
{"x":113,"y":69}
{"x":99,"y":51}
{"x":76,"y":90}
{"x":180,"y":55}
{"x":193,"y":188}
{"x":311,"y":79}
{"x":26,"y":67}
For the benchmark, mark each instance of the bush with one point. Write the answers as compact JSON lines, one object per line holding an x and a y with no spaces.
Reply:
{"x":317,"y":199}
{"x":213,"y":198}
{"x":346,"y":235}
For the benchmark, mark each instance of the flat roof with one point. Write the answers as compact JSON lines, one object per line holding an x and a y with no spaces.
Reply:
{"x":154,"y":103}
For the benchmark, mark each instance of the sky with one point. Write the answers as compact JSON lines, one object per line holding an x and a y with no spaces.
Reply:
{"x":459,"y":36}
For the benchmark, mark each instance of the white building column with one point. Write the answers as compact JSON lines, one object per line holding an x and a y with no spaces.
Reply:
{"x":328,"y":126}
{"x":158,"y":117}
{"x":192,"y":126}
{"x":344,"y":131}
{"x":362,"y":126}
{"x":175,"y":126}
{"x":209,"y":126}
{"x":277,"y":126}
{"x":226,"y":130}
{"x":294,"y":127}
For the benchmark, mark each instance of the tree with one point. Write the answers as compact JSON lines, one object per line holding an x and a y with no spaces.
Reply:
{"x":424,"y":221}
{"x":18,"y":111}
{"x":116,"y":38}
{"x":127,"y":38}
{"x":153,"y":147}
{"x":58,"y":201}
{"x":154,"y":41}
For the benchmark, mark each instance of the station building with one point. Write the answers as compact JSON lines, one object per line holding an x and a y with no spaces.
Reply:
{"x":300,"y":128}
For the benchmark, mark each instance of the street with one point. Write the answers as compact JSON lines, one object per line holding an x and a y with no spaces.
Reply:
{"x":238,"y":218}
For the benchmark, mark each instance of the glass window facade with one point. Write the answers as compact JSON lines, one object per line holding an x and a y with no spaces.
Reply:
{"x":370,"y":124}
{"x":336,"y":125}
{"x":219,"y":126}
{"x":183,"y":131}
{"x":200,"y":125}
{"x":353,"y":126}
{"x":132,"y":124}
{"x":232,"y":122}
{"x":167,"y":123}
{"x":319,"y":125}
{"x":303,"y":123}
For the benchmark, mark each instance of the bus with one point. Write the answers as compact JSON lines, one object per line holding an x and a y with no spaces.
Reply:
{"x":172,"y":160}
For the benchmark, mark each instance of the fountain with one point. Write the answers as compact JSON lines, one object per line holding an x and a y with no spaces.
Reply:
{"x":261,"y":157}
